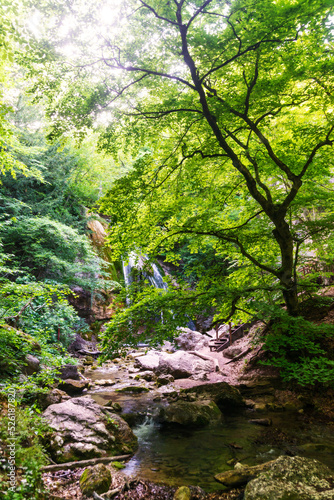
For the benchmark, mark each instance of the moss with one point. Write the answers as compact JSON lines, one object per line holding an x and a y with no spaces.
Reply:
{"x":118,"y":465}
{"x":136,"y":389}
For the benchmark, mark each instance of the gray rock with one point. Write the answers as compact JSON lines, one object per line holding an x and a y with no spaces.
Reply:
{"x":182,"y":364}
{"x":32,"y":365}
{"x":148,"y":362}
{"x":292,"y":478}
{"x":197,"y":414}
{"x":188,"y":340}
{"x":82,"y":430}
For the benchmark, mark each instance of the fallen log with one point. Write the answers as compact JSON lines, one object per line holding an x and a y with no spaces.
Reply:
{"x":83,"y":463}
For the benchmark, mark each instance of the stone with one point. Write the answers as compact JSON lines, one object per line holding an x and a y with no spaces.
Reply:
{"x":53,"y":397}
{"x":241,"y":475}
{"x":149,"y":361}
{"x":147,"y":375}
{"x":32,"y":365}
{"x":266,"y":422}
{"x":97,"y":478}
{"x":196,"y":414}
{"x":182,"y":493}
{"x":292,"y":478}
{"x":227,"y":397}
{"x":81,"y":430}
{"x":182,"y":364}
{"x":232,"y":351}
{"x":165,"y":379}
{"x":69,"y":371}
{"x":189,"y":340}
{"x":73,"y":387}
{"x":134,"y":389}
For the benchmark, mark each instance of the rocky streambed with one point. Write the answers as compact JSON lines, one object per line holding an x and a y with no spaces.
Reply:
{"x":182,"y":424}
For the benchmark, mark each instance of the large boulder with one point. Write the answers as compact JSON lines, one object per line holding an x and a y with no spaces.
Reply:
{"x":292,"y":478}
{"x":182,"y":364}
{"x":149,"y":361}
{"x":97,"y":478}
{"x":227,"y":397}
{"x":188,"y":340}
{"x":82,"y":430}
{"x":196,"y":414}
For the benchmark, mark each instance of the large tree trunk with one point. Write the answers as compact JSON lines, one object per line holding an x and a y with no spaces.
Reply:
{"x":284,"y":238}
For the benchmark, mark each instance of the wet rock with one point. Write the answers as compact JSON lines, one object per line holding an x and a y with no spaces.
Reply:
{"x":32,"y":365}
{"x":133,"y":388}
{"x":226,"y":397}
{"x":148,"y":362}
{"x":97,"y":478}
{"x":73,"y":387}
{"x":165,"y":379}
{"x":182,"y":364}
{"x":240,"y":475}
{"x":266,"y":422}
{"x":197,"y":414}
{"x":82,"y":430}
{"x":104,"y":382}
{"x":69,"y":371}
{"x":292,"y":478}
{"x":232,"y":351}
{"x":188,"y":340}
{"x":252,"y":387}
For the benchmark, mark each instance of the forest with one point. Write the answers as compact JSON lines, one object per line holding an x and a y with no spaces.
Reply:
{"x":166,"y":196}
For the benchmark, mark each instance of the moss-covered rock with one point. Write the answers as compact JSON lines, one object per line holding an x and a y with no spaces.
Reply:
{"x":97,"y":478}
{"x":196,"y":414}
{"x":292,"y":478}
{"x":182,"y":493}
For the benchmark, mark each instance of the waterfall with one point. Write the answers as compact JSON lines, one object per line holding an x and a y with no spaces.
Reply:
{"x":156,"y":279}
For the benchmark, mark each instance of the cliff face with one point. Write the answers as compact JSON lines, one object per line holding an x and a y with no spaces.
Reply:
{"x":100,"y":304}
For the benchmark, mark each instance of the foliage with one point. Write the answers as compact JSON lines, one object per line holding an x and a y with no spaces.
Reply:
{"x":31,"y":429}
{"x":298,"y":348}
{"x":229,"y":116}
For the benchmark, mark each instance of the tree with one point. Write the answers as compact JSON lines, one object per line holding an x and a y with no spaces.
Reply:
{"x":234,"y":103}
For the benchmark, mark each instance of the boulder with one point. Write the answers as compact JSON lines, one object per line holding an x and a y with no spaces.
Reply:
{"x":32,"y":365}
{"x":232,"y":351}
{"x":188,"y":340}
{"x":227,"y":397}
{"x":82,"y":431}
{"x":182,"y":364}
{"x":149,"y":361}
{"x":197,"y":414}
{"x":69,"y":371}
{"x":292,"y":478}
{"x":53,"y":397}
{"x":73,"y":387}
{"x":97,"y":478}
{"x":240,"y":475}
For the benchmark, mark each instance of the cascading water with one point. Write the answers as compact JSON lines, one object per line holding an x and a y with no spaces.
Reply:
{"x":155,"y":278}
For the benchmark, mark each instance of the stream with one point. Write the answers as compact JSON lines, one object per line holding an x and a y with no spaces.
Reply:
{"x":179,"y":456}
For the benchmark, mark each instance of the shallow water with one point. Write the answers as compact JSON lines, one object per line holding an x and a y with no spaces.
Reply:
{"x":185,"y":456}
